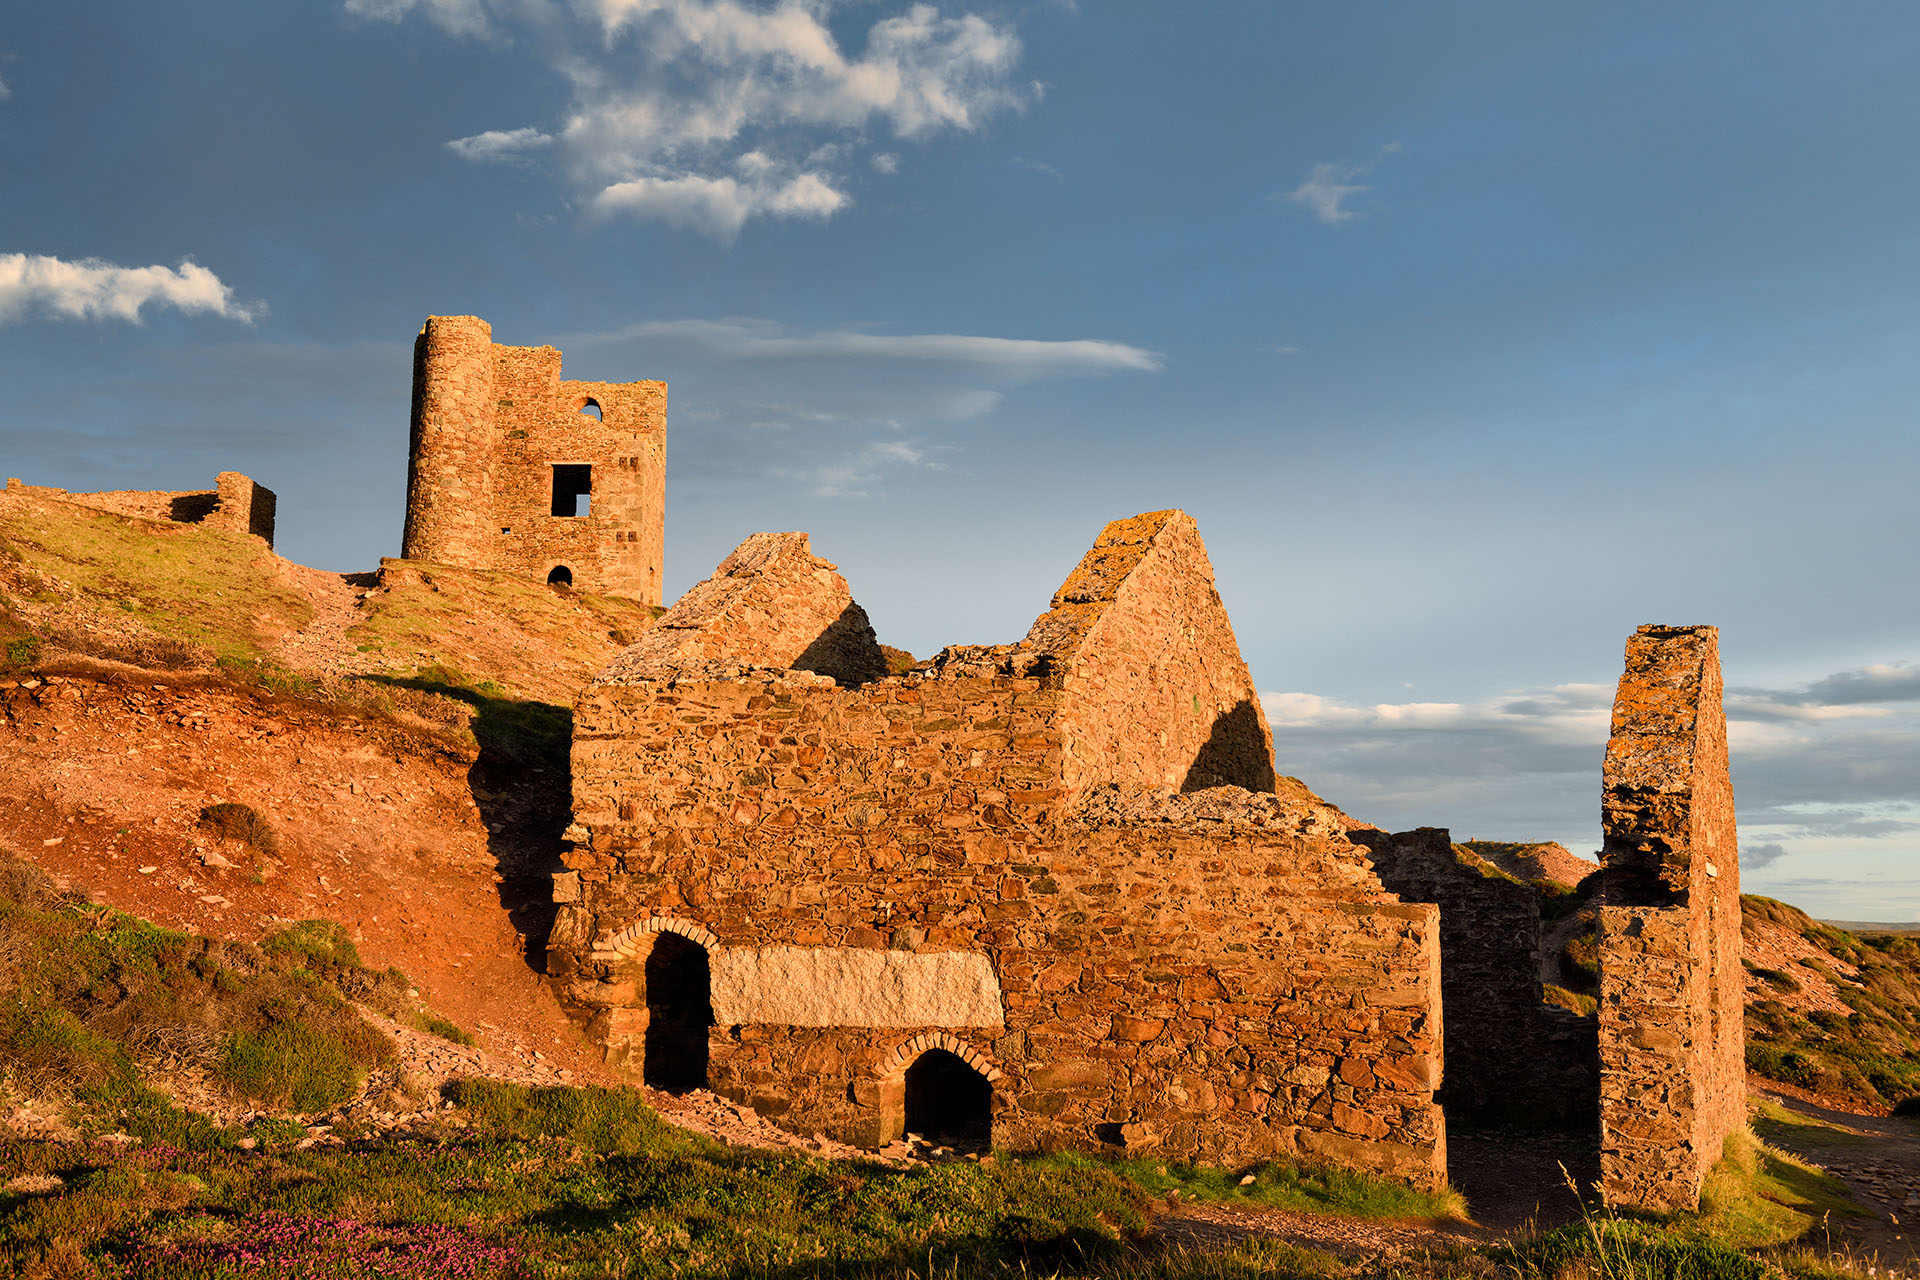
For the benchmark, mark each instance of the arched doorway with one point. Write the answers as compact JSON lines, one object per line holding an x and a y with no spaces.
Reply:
{"x":679,"y":1011}
{"x":949,"y":1103}
{"x":560,"y":577}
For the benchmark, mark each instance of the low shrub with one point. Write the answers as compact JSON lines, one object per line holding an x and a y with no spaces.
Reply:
{"x":22,"y":653}
{"x":317,"y":944}
{"x":435,"y":1025}
{"x":240,"y":822}
{"x":291,"y":1064}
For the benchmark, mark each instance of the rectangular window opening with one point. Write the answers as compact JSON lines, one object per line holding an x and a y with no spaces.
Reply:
{"x":572,"y":489}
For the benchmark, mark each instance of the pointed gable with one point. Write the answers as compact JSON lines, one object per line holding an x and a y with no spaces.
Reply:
{"x":1156,"y":692}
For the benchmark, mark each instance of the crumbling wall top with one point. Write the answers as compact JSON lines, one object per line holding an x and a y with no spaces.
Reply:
{"x":772,"y":603}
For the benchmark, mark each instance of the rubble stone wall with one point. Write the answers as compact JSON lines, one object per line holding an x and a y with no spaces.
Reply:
{"x":1215,"y":977}
{"x":491,"y":422}
{"x":1672,"y":1046}
{"x":1509,"y":1055}
{"x":236,"y":502}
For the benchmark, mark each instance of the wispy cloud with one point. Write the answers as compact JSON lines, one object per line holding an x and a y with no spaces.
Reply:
{"x":758,"y":340}
{"x":5,"y":92}
{"x":833,"y":413}
{"x":89,"y":289}
{"x":855,"y":475}
{"x":1329,"y":186}
{"x":707,"y":114}
{"x":499,"y":144}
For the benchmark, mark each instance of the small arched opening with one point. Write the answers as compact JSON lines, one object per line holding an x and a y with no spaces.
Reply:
{"x":679,"y":1011}
{"x":948,"y":1103}
{"x":561,"y":576}
{"x":590,"y":408}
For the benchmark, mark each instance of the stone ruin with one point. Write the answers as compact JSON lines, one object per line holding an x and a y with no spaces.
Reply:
{"x":1672,"y":994}
{"x":1052,"y":894}
{"x":235,"y":502}
{"x":1039,"y":895}
{"x":513,"y":469}
{"x":1658,"y":1071}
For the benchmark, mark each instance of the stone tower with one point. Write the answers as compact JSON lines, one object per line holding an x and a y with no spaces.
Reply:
{"x":512,"y":469}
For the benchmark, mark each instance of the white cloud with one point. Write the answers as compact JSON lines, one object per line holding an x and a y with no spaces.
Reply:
{"x":5,"y":92}
{"x":1329,"y":186}
{"x":500,"y":144}
{"x":461,"y":17}
{"x":90,"y":289}
{"x":679,"y":104}
{"x":721,"y":206}
{"x":749,"y":340}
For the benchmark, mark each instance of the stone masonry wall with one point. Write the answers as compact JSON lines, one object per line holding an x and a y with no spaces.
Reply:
{"x":1672,"y":1048}
{"x":1509,"y":1055}
{"x":491,"y":422}
{"x":772,"y":603}
{"x":1162,"y":696}
{"x":237,"y":503}
{"x":1221,"y":983}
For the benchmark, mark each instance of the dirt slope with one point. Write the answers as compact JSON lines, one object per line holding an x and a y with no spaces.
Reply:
{"x":377,"y":824}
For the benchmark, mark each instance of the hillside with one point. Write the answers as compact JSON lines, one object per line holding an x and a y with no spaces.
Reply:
{"x":401,"y":737}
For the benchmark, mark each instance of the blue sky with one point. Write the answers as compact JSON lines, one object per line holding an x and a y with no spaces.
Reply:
{"x":1472,"y":334}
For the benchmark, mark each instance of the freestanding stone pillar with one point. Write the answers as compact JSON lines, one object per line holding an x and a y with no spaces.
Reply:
{"x":1672,"y":1042}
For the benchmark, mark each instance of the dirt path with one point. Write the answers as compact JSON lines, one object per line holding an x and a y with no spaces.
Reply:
{"x":322,"y":645}
{"x":1878,"y":1157}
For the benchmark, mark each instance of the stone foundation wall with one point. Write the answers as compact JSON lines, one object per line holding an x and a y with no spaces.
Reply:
{"x":1509,"y":1055}
{"x":1672,"y":1041}
{"x":490,"y":424}
{"x":1211,"y":980}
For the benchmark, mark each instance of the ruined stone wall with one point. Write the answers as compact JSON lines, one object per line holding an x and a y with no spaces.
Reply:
{"x":244,"y":506}
{"x":1671,"y":1033}
{"x":1509,"y":1055}
{"x":1161,"y":695}
{"x":237,"y":503}
{"x":772,"y":603}
{"x":1215,"y":977}
{"x":491,"y":422}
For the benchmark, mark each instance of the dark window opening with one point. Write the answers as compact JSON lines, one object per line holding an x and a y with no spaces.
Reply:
{"x":560,"y":577}
{"x":506,"y":529}
{"x":572,"y":489}
{"x":679,"y":1011}
{"x":949,"y":1103}
{"x":591,"y":409}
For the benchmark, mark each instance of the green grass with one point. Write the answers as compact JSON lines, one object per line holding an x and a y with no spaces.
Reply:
{"x":1872,"y":1052}
{"x":209,"y":588}
{"x":434,"y":1025}
{"x":1282,"y":1185}
{"x":536,"y":644}
{"x":1772,"y":1122}
{"x":87,"y":994}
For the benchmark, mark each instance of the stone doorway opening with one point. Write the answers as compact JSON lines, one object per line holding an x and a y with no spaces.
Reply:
{"x":679,"y":1012}
{"x":949,"y":1103}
